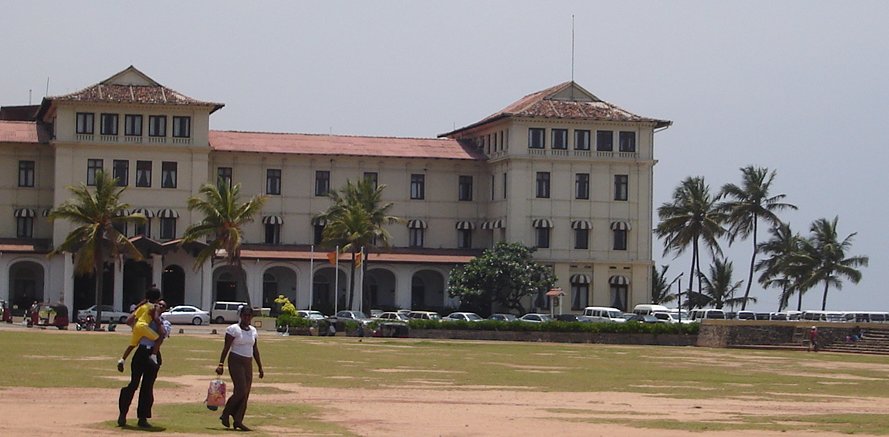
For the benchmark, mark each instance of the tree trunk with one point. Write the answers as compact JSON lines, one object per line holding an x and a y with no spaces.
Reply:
{"x":365,"y":296}
{"x":799,"y":302}
{"x":691,"y":274}
{"x":242,"y":280}
{"x":752,"y":263}
{"x":352,"y":280}
{"x":99,"y":264}
{"x":824,"y":299}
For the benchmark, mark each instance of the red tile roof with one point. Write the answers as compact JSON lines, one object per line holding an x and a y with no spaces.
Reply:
{"x":307,"y":144}
{"x":147,"y":92}
{"x":548,"y":104}
{"x":22,"y":132}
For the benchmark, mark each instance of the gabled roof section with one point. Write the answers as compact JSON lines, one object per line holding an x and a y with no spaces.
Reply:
{"x":342,"y":145}
{"x":128,"y":86}
{"x":566,"y":100}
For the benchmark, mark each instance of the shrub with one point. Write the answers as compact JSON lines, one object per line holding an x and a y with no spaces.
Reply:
{"x":557,"y":326}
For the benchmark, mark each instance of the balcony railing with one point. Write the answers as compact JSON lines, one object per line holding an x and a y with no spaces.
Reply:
{"x":181,"y":140}
{"x":85,"y":137}
{"x":109,"y":138}
{"x":132,"y":139}
{"x":157,"y":140}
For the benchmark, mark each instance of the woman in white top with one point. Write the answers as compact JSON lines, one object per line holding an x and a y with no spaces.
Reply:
{"x":240,"y":340}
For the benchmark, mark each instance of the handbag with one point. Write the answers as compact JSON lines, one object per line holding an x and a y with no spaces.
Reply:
{"x":216,"y":394}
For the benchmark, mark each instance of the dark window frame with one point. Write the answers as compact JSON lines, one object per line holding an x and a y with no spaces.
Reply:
{"x":272,"y":233}
{"x":129,"y":128}
{"x":582,"y":239}
{"x":224,"y":175}
{"x":621,"y":239}
{"x":418,"y":186}
{"x":627,"y":141}
{"x":93,"y":166}
{"x":103,"y":125}
{"x":273,"y":181}
{"x":322,"y":182}
{"x":621,"y":187}
{"x":85,"y":128}
{"x":464,"y":188}
{"x":167,"y":228}
{"x":153,"y":129}
{"x":27,"y":173}
{"x":464,"y":238}
{"x":24,"y":227}
{"x":582,"y":186}
{"x":180,"y":123}
{"x":143,"y":168}
{"x":536,"y":138}
{"x":416,"y":237}
{"x":120,"y":170}
{"x":542,"y":237}
{"x":560,"y":139}
{"x":372,"y":177}
{"x":542,"y":185}
{"x":169,"y":168}
{"x":604,"y":141}
{"x":582,"y":139}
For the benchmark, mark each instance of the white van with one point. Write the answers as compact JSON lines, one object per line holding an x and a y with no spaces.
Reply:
{"x":646,"y":309}
{"x":701,"y":314}
{"x":223,"y":312}
{"x":603,"y":314}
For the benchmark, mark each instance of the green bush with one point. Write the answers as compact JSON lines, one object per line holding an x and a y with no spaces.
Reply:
{"x":292,"y":321}
{"x":557,"y":326}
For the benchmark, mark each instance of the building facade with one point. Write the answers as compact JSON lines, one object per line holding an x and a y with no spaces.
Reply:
{"x":560,"y":170}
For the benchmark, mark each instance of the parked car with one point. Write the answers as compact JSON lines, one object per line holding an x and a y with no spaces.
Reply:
{"x":311,"y":314}
{"x":357,"y":316}
{"x":185,"y":314}
{"x":223,"y":312}
{"x":567,"y":317}
{"x":603,"y":314}
{"x":392,"y":316}
{"x":700,"y":314}
{"x":639,"y":318}
{"x":109,"y":314}
{"x":647,"y":309}
{"x":375,"y":313}
{"x":745,"y":315}
{"x":423,"y":315}
{"x":535,"y":318}
{"x":462,"y":317}
{"x":503,"y":317}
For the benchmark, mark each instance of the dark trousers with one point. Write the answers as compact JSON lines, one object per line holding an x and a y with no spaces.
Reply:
{"x":241,"y":371}
{"x":142,"y":369}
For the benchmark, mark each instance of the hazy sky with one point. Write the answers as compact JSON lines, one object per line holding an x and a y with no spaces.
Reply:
{"x":796,"y":86}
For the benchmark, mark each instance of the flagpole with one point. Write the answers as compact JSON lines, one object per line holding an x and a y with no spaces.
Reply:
{"x":361,"y":268}
{"x":336,"y":281}
{"x":311,"y":276}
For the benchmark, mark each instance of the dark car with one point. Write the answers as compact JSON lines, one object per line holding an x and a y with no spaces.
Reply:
{"x":643,"y":319}
{"x":567,"y":318}
{"x":503,"y":317}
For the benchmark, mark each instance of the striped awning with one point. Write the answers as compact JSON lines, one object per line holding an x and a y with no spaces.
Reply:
{"x":318,"y":221}
{"x":167,"y":213}
{"x":580,"y":278}
{"x":620,"y":226}
{"x":416,"y":224}
{"x":542,"y":223}
{"x":25,"y":213}
{"x":46,"y":212}
{"x":618,"y":280}
{"x":144,"y":211}
{"x":581,"y":224}
{"x":498,"y":224}
{"x":272,"y":220}
{"x":465,"y":225}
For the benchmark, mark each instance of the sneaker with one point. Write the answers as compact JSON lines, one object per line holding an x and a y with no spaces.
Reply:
{"x":153,"y":359}
{"x":120,"y":365}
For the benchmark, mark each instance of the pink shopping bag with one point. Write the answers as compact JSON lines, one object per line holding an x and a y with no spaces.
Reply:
{"x":216,"y":394}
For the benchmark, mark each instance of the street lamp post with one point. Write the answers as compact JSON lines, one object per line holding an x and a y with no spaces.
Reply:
{"x":678,"y":294}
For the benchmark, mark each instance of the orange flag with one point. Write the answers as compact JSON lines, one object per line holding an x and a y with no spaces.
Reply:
{"x":332,"y":257}
{"x":358,"y":259}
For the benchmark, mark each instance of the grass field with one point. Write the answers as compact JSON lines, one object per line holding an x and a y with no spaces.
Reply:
{"x":80,"y":360}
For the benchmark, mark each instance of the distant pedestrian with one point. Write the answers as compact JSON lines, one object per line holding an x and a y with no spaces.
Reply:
{"x":855,"y":335}
{"x":813,"y":339}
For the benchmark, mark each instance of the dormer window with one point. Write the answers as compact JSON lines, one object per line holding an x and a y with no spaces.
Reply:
{"x":182,"y":127}
{"x":109,"y":124}
{"x":132,"y":125}
{"x":86,"y":122}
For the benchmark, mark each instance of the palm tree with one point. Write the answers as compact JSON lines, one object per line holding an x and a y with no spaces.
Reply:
{"x":719,"y":290}
{"x":224,"y":219}
{"x":746,"y":205}
{"x":356,"y":219}
{"x":781,"y":268}
{"x":660,"y":288}
{"x":826,"y":257}
{"x":94,"y":215}
{"x":692,"y":216}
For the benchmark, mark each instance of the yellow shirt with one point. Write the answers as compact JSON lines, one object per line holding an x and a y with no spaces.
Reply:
{"x":144,"y":314}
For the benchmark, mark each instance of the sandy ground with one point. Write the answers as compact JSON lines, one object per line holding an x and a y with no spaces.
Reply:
{"x":433,"y":411}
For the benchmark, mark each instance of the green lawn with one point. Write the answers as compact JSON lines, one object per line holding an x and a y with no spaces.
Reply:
{"x":44,"y":359}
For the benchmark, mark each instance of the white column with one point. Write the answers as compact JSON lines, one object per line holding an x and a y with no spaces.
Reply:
{"x":4,"y":278}
{"x":403,"y":278}
{"x":68,"y":283}
{"x":207,"y":285}
{"x":118,"y":302}
{"x":157,"y":270}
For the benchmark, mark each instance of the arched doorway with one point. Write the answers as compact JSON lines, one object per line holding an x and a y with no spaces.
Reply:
{"x":380,"y":289}
{"x":25,"y":284}
{"x":225,"y":284}
{"x":85,"y":289}
{"x":323,"y":283}
{"x":136,"y":279}
{"x":278,"y":281}
{"x":173,"y":285}
{"x":427,"y":290}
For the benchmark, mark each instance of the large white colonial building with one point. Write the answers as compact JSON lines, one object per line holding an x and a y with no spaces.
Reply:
{"x":559,"y":169}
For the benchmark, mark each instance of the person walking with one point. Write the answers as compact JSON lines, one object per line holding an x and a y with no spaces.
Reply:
{"x":813,"y":339}
{"x":241,"y":341}
{"x":144,"y":370}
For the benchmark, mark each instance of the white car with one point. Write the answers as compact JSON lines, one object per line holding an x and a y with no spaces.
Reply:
{"x":311,"y":314}
{"x":462,"y":317}
{"x":109,"y":314}
{"x":393,"y":316}
{"x":535,"y":318}
{"x":185,"y":314}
